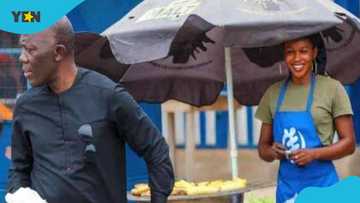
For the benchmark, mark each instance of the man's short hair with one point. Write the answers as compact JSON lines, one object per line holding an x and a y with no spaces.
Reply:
{"x":64,"y":34}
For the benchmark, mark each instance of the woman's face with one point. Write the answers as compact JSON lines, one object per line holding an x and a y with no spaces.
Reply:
{"x":299,"y":55}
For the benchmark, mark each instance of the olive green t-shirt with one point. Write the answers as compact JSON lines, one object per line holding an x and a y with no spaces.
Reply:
{"x":330,"y":101}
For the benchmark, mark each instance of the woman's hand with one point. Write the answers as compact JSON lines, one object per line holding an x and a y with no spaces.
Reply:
{"x":278,"y":151}
{"x":303,"y":157}
{"x":267,"y":148}
{"x":345,"y":145}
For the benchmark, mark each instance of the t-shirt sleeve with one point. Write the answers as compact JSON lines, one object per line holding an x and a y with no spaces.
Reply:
{"x":341,"y":103}
{"x":263,"y":111}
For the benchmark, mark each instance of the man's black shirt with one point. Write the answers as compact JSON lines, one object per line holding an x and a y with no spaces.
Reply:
{"x":50,"y":155}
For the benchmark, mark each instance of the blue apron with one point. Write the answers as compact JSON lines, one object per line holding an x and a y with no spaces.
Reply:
{"x":296,"y":130}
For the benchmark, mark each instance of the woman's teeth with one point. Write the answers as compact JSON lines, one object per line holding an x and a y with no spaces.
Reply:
{"x":298,"y":67}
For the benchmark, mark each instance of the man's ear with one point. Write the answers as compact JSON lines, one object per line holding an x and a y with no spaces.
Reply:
{"x":60,"y":52}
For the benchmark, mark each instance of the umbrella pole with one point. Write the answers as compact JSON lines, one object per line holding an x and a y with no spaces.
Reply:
{"x":231,"y":113}
{"x":168,"y":131}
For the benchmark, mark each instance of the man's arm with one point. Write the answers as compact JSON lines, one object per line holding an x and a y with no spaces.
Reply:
{"x":20,"y":170}
{"x":143,"y":136}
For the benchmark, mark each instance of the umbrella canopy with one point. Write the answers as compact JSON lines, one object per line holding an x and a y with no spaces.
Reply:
{"x":155,"y":24}
{"x":176,"y":47}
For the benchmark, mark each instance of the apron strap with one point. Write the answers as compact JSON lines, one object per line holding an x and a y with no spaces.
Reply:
{"x":310,"y":95}
{"x":282,"y":94}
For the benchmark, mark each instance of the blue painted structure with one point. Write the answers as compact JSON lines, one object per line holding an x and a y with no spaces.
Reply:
{"x":96,"y":16}
{"x":352,"y":5}
{"x":5,"y":137}
{"x":354,"y":94}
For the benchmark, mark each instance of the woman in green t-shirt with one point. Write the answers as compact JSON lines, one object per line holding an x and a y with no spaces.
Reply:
{"x":299,"y":117}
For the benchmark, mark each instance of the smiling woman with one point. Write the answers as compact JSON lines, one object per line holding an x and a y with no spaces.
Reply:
{"x":300,"y":115}
{"x":299,"y":56}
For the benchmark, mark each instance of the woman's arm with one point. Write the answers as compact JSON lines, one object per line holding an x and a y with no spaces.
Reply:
{"x":345,"y":146}
{"x":269,"y":150}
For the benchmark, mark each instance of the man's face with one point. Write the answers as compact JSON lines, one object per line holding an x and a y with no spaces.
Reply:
{"x":38,"y":57}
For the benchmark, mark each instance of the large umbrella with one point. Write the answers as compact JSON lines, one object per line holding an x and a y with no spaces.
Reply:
{"x":179,"y":48}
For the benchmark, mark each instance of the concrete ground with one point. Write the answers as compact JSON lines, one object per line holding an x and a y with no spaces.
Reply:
{"x":267,"y":193}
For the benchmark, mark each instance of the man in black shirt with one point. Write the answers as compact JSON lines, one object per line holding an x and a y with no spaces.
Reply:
{"x":71,"y":127}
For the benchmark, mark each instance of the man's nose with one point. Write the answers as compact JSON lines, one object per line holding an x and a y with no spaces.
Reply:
{"x":22,"y":57}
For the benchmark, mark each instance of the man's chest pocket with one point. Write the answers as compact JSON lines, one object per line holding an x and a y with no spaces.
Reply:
{"x":98,"y":138}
